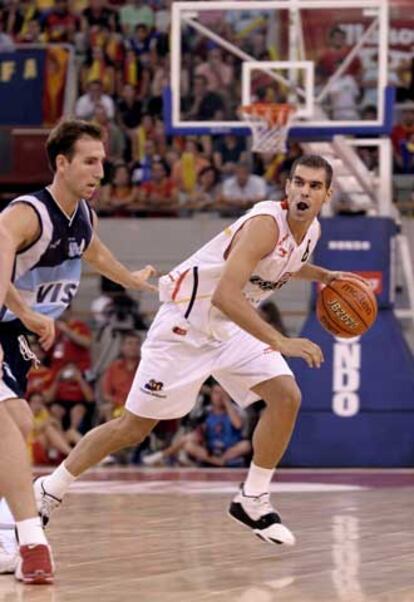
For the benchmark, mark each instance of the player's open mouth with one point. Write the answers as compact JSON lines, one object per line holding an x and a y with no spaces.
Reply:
{"x":302,"y":206}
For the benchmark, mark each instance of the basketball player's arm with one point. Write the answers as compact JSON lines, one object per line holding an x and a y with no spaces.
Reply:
{"x":100,"y":258}
{"x":319,"y":274}
{"x":41,"y":325}
{"x":257,"y":239}
{"x":19,"y":227}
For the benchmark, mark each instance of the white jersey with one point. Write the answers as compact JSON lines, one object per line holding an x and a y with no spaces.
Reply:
{"x":192,"y":283}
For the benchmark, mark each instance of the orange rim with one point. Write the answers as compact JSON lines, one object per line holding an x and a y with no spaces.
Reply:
{"x":274,"y":114}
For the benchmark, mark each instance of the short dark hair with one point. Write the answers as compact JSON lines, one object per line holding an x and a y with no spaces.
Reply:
{"x":316,"y":162}
{"x":336,"y":29}
{"x":63,"y":137}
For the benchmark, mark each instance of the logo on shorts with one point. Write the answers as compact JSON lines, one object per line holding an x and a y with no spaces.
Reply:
{"x":153,"y":387}
{"x":178,"y":330}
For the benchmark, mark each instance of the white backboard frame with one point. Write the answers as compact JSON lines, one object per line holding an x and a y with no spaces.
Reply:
{"x":186,"y":12}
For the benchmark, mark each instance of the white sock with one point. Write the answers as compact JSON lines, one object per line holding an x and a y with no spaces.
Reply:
{"x":59,"y":481}
{"x":257,"y":480}
{"x":30,"y":531}
{"x":6,"y":517}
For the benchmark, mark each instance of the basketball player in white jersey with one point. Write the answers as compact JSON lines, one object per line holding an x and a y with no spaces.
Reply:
{"x":43,"y":237}
{"x":208,"y":325}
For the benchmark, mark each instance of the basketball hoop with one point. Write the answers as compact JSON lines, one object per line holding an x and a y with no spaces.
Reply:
{"x":270,"y":125}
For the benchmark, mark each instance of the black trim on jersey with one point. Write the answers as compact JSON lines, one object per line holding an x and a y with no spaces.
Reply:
{"x":32,"y":244}
{"x":194,"y":292}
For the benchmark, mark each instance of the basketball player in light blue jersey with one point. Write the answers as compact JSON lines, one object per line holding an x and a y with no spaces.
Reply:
{"x":43,"y":238}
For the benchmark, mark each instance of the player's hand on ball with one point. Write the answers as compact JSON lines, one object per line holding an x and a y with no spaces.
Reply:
{"x":41,"y":325}
{"x":332,"y":275}
{"x":140,"y":277}
{"x":304,"y":348}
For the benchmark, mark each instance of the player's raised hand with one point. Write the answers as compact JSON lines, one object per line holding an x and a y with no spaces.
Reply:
{"x":140,"y":277}
{"x":304,"y":348}
{"x":41,"y":325}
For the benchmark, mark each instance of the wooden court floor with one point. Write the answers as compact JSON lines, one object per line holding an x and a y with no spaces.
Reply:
{"x":163,"y":535}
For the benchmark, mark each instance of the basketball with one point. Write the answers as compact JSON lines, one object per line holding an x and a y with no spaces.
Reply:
{"x":346,"y":308}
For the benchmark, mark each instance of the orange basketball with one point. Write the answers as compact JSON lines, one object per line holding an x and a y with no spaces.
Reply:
{"x":346,"y":308}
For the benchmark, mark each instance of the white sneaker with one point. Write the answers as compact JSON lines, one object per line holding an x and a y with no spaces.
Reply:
{"x":257,"y":513}
{"x":9,"y":549}
{"x":152,"y":459}
{"x":45,"y":501}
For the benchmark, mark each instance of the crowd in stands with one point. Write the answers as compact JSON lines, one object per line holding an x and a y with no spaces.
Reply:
{"x":122,"y":51}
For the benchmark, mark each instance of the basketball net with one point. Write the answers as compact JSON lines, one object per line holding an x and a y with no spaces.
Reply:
{"x":270,"y":125}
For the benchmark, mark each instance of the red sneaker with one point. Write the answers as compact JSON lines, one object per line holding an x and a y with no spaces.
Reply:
{"x":35,"y":564}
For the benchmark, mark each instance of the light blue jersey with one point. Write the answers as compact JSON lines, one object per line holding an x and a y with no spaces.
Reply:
{"x":47,"y":273}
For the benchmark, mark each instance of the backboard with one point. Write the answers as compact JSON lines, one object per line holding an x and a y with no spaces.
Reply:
{"x":328,"y":58}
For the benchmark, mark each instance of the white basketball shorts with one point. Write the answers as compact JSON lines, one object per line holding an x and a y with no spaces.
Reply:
{"x":176,"y":360}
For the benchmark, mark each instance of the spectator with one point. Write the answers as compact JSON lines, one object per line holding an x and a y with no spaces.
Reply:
{"x":73,"y":343}
{"x":142,"y":170}
{"x":6,"y":41}
{"x":343,"y":96}
{"x":242,"y":190}
{"x":32,"y":33}
{"x":206,"y":193}
{"x":204,"y":105}
{"x":185,"y":171}
{"x":158,"y":196}
{"x":219,"y":76}
{"x":270,"y":166}
{"x":98,"y":67}
{"x":335,"y":54}
{"x":129,"y":109}
{"x":118,"y":376}
{"x":116,"y":198}
{"x":113,"y":137}
{"x":369,"y":113}
{"x":86,"y":105}
{"x":47,"y":440}
{"x":405,"y":74}
{"x":229,"y":150}
{"x":60,"y":24}
{"x":142,"y":41}
{"x":406,"y":155}
{"x":219,"y":441}
{"x":16,"y":16}
{"x":136,"y":13}
{"x":158,"y":83}
{"x":400,"y":135}
{"x":71,"y":401}
{"x":97,"y":17}
{"x":144,"y":132}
